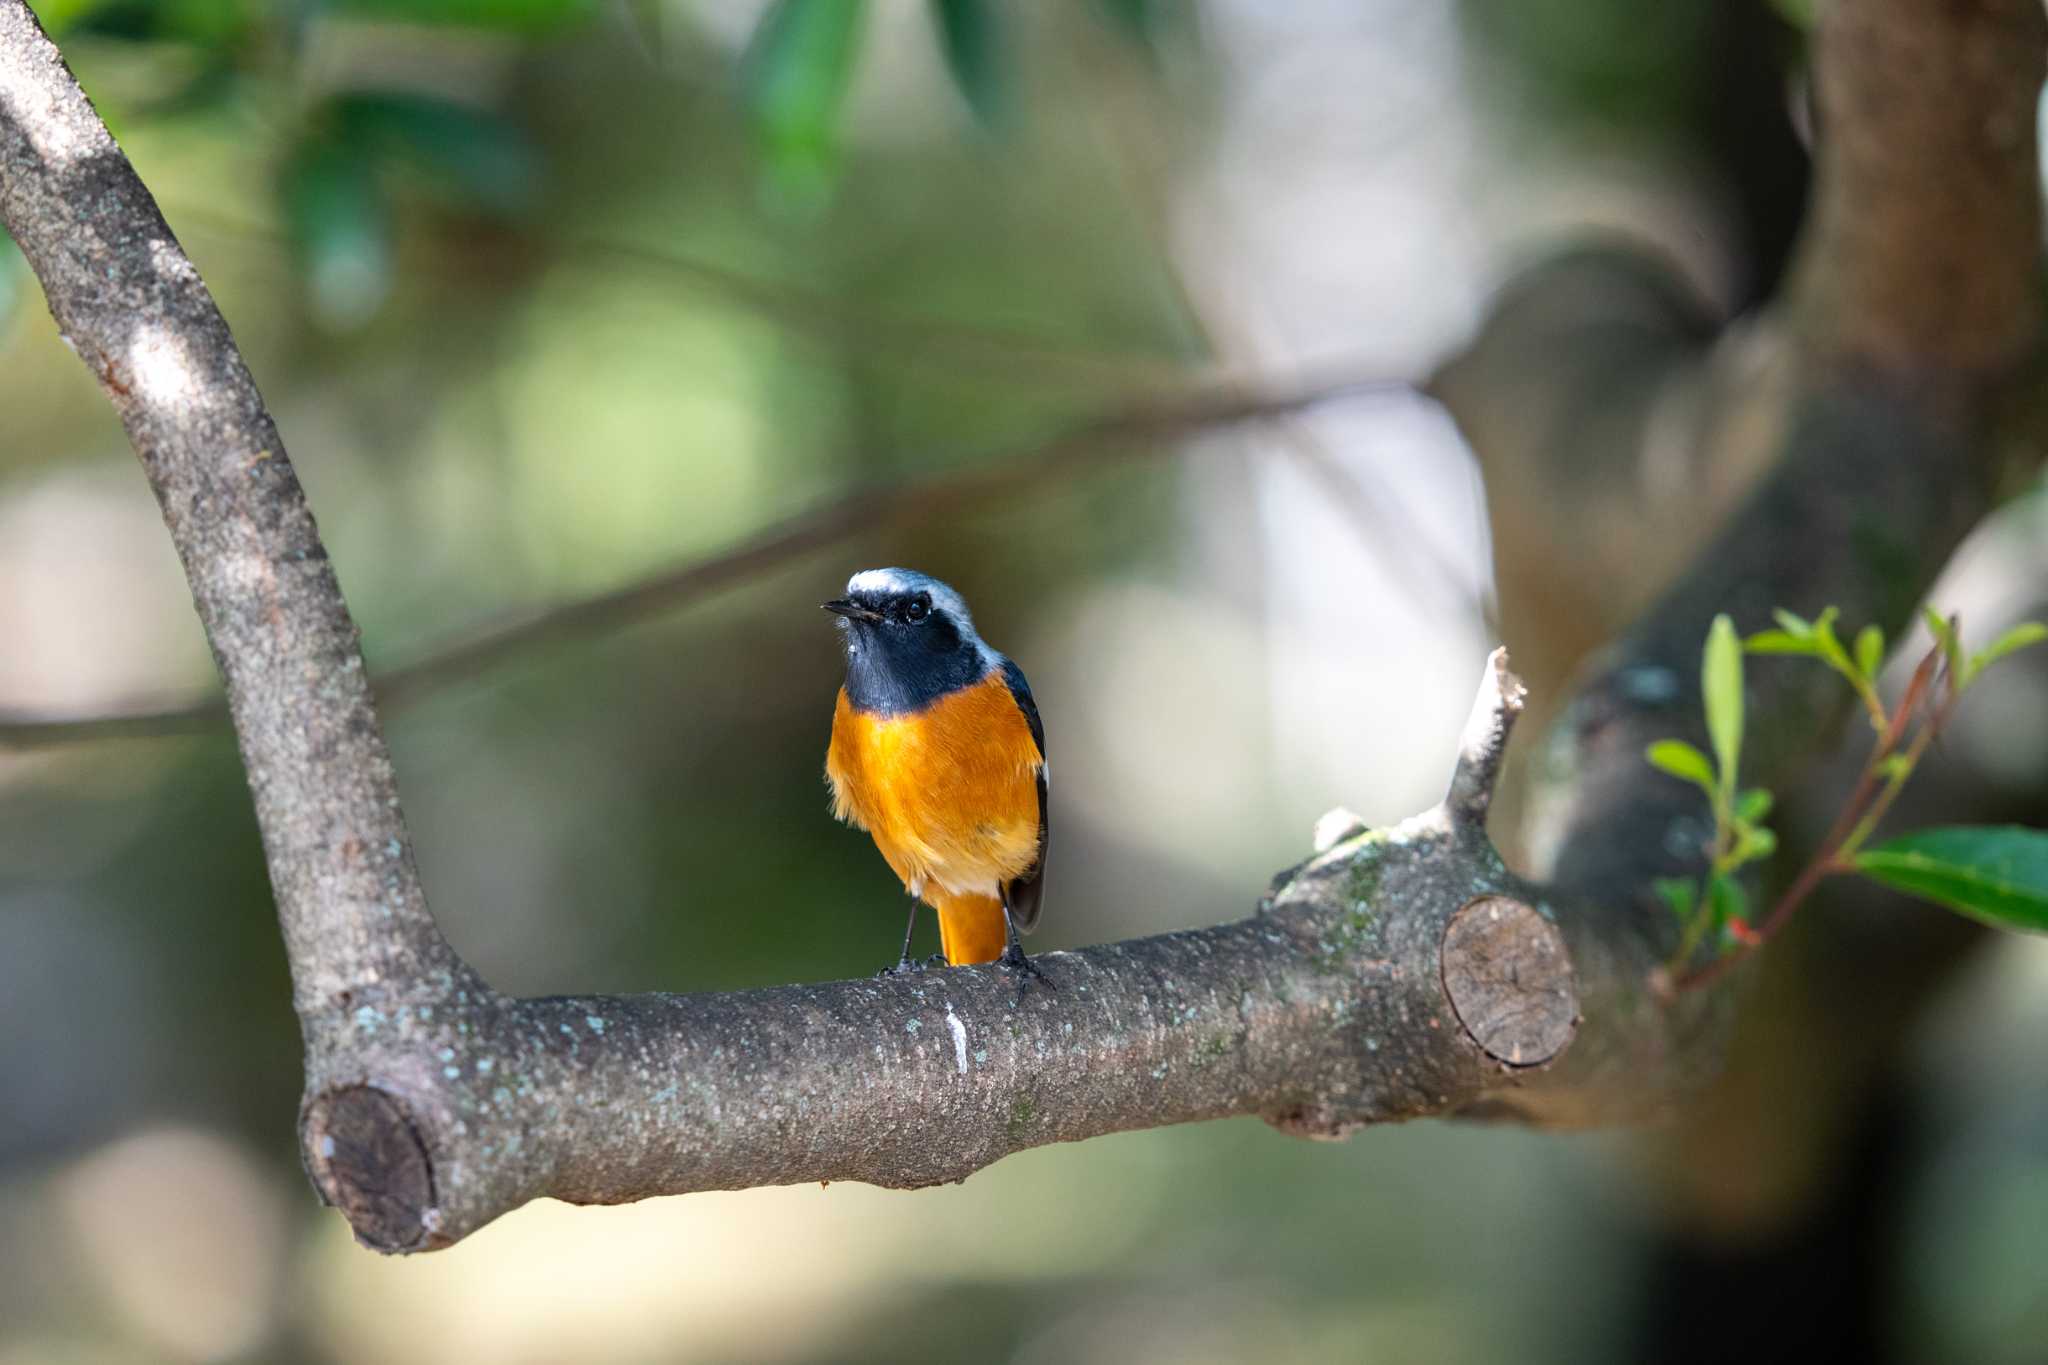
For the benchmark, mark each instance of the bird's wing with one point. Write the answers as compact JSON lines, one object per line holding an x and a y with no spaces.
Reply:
{"x":1026,"y":894}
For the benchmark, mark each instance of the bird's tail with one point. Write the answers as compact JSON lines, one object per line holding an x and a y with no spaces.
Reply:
{"x":970,"y":928}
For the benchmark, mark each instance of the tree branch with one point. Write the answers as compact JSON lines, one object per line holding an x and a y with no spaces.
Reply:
{"x":1399,"y":972}
{"x":1921,"y":252}
{"x":1341,"y":1004}
{"x":1135,"y":431}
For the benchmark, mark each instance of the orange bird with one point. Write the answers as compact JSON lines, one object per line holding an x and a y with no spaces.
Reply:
{"x":937,"y":751}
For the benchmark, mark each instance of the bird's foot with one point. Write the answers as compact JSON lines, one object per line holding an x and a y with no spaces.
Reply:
{"x":905,"y":967}
{"x":1014,"y":959}
{"x":937,"y":960}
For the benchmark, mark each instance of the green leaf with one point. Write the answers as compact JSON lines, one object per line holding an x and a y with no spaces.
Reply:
{"x":1997,"y":874}
{"x":795,"y":76}
{"x":481,"y":157}
{"x":2018,"y":638}
{"x":1797,"y":626}
{"x":339,"y":224}
{"x":1682,"y":761}
{"x":1895,"y":767}
{"x":1679,"y":893}
{"x":1752,"y":805}
{"x":1721,"y":687}
{"x":1869,"y":650}
{"x":1830,"y":648}
{"x":970,"y":31}
{"x":1780,"y":642}
{"x":1753,"y":842}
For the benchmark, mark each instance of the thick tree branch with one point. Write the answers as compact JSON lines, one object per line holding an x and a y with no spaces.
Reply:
{"x":1403,"y":972}
{"x":1140,"y":430}
{"x":1399,"y":972}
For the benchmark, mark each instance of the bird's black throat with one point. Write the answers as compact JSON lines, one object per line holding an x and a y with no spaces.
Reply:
{"x":893,"y":667}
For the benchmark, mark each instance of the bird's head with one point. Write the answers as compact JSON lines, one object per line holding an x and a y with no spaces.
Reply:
{"x":908,"y":637}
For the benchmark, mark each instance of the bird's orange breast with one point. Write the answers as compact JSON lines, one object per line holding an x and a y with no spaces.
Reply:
{"x":950,"y":792}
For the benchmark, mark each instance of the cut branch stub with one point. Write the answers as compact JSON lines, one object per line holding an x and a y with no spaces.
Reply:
{"x":367,"y":1160}
{"x":1484,"y":744}
{"x":1509,"y":978}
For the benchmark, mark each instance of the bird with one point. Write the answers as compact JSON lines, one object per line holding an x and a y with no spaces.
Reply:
{"x":938,"y":752}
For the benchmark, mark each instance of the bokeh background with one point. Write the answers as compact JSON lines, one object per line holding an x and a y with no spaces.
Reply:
{"x":551,"y":295}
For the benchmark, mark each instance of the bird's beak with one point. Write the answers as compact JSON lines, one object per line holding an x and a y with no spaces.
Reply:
{"x":852,"y":611}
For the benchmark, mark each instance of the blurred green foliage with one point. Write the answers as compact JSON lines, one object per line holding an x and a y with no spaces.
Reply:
{"x":971,"y":32}
{"x":342,"y":148}
{"x":335,"y":208}
{"x":797,"y":71}
{"x":476,"y":159}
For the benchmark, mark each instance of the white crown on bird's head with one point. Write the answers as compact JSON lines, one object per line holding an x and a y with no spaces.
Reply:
{"x":902,"y":582}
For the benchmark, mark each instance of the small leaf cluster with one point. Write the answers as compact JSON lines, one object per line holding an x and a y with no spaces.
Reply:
{"x":353,"y":148}
{"x":800,"y":61}
{"x":1718,"y":904}
{"x":1816,"y":638}
{"x":342,"y":155}
{"x":1997,"y":875}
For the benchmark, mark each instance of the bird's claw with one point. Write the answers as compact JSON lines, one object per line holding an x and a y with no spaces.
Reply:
{"x":905,"y":967}
{"x":1014,"y":959}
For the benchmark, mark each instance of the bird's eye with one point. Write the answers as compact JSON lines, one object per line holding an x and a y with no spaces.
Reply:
{"x":918,"y":609}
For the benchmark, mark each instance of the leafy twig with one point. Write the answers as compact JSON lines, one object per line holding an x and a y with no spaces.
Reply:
{"x":1937,"y":684}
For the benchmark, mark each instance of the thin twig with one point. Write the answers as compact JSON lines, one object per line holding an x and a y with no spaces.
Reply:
{"x":1040,"y":466}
